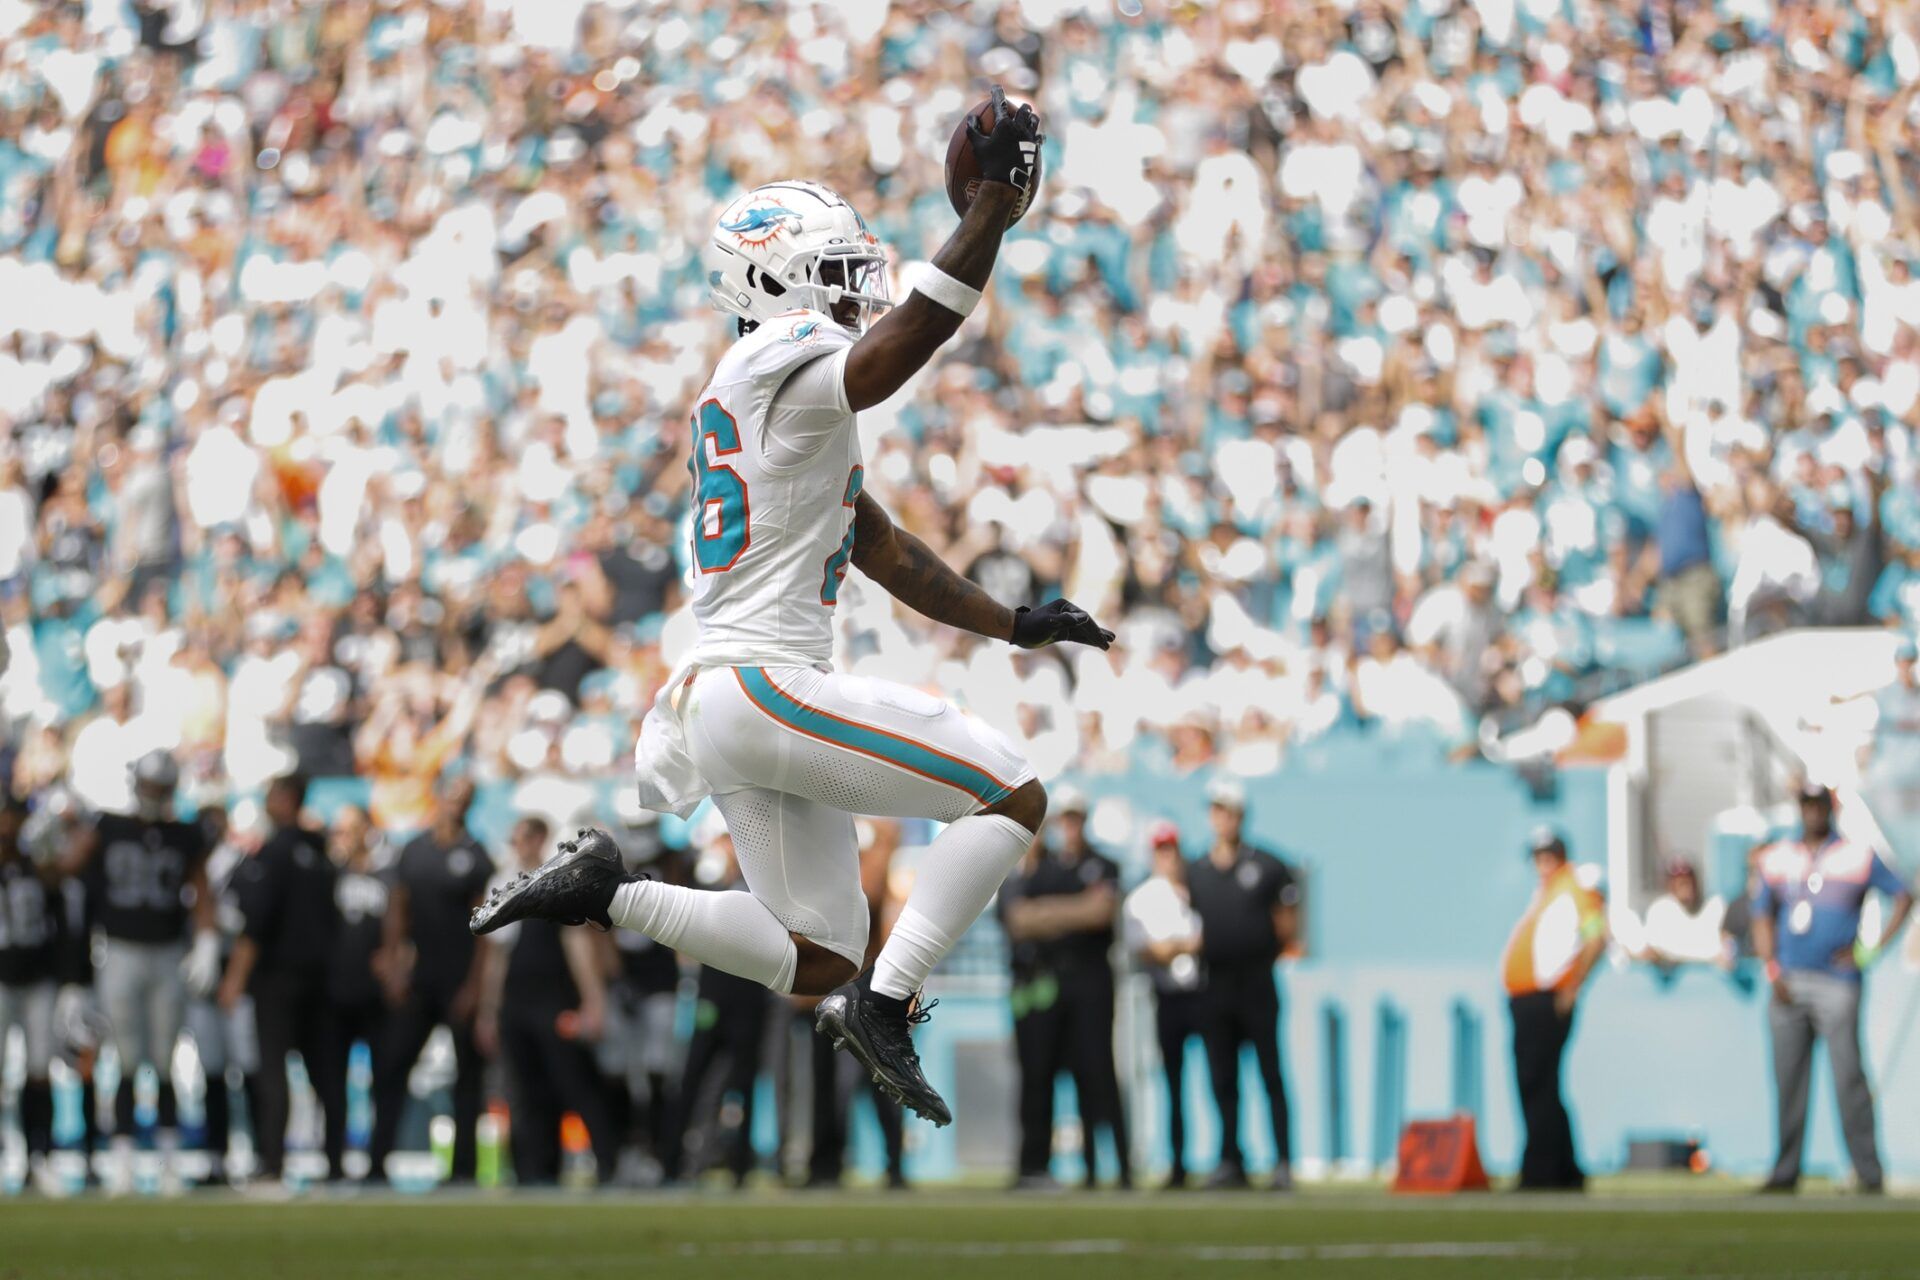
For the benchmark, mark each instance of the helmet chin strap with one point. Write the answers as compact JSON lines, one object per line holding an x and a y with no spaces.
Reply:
{"x":834,"y":295}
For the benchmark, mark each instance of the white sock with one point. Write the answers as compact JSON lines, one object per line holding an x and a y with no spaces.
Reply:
{"x":958,"y":876}
{"x":731,"y":931}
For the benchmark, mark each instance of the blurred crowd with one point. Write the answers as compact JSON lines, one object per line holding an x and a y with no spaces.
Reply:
{"x":1391,"y":364}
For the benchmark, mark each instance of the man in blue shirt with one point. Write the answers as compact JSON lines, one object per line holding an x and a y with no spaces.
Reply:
{"x":1806,"y":927}
{"x":1690,"y":589}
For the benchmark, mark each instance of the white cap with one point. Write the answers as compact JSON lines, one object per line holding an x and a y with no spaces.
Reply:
{"x":1578,"y":451}
{"x":549,"y":706}
{"x":1228,"y":793}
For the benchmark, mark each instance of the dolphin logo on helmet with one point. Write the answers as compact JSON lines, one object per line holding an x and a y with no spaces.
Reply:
{"x":767,"y":218}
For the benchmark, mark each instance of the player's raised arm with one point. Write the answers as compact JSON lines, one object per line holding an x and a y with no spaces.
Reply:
{"x":925,"y":583}
{"x":901,"y":342}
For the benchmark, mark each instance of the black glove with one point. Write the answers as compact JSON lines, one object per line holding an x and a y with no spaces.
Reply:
{"x":1007,"y":154}
{"x":1061,"y":620}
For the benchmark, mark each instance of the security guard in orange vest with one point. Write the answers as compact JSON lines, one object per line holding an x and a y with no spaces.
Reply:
{"x":1549,"y":956}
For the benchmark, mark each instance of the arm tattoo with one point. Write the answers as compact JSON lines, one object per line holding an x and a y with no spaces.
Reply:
{"x":969,"y":252}
{"x":927,"y":584}
{"x":919,"y":579}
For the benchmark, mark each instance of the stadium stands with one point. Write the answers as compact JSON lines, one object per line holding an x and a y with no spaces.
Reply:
{"x":386,"y":315}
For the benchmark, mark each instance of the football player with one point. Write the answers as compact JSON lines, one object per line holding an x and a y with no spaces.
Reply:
{"x":29,"y":931}
{"x":788,"y":748}
{"x":79,"y":1028}
{"x":142,"y":871}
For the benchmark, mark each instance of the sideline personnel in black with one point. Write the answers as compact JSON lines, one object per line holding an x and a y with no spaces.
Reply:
{"x":355,"y":1009}
{"x":837,"y":1077}
{"x":281,"y":958}
{"x":226,"y":1040}
{"x":431,"y":968}
{"x":1059,"y":911}
{"x":544,"y":1001}
{"x":1249,"y":906}
{"x":723,"y":1057}
{"x":29,"y":934}
{"x":76,"y":1009}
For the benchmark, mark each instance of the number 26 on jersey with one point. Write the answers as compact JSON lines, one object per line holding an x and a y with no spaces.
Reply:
{"x":720,"y":513}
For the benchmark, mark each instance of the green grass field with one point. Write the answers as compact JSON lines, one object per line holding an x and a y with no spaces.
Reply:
{"x":932,"y":1235}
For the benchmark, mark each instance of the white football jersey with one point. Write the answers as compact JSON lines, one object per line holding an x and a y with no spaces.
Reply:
{"x":771,"y":543}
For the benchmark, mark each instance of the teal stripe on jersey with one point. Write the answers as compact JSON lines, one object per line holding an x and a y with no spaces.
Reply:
{"x":869,"y":741}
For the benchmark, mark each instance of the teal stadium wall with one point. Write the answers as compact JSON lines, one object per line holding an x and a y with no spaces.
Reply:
{"x":1415,"y":874}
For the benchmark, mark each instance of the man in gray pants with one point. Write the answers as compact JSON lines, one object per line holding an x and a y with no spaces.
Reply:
{"x":147,"y":872}
{"x":1806,"y":928}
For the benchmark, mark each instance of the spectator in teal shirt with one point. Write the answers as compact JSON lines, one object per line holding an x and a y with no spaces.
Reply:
{"x":59,"y":644}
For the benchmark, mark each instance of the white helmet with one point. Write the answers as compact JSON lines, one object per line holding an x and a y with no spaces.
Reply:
{"x":795,"y":244}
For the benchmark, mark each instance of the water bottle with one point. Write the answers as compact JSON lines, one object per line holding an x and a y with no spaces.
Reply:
{"x":359,"y":1096}
{"x":577,"y":1167}
{"x":440,"y":1142}
{"x":486,"y":1132}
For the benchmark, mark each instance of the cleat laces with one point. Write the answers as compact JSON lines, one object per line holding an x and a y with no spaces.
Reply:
{"x":900,"y":1035}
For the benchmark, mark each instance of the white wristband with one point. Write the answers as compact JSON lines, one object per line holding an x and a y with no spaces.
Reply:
{"x":942,"y":288}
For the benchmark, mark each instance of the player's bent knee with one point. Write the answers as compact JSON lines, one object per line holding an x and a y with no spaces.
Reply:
{"x":1026,"y":806}
{"x":816,"y":970}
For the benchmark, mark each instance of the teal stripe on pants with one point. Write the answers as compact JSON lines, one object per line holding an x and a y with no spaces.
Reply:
{"x":871,"y":742}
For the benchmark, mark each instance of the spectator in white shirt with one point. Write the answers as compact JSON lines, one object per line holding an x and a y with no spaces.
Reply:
{"x":1393,"y":686}
{"x":1682,"y":926}
{"x":1776,"y":577}
{"x":16,"y":520}
{"x":101,"y":760}
{"x":1456,"y":624}
{"x":1162,"y":933}
{"x":262,"y":680}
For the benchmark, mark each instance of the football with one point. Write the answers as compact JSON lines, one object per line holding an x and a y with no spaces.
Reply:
{"x":963,"y":171}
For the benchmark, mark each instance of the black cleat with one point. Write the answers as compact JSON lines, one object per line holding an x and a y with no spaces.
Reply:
{"x":1228,"y":1176}
{"x":882,"y":1042}
{"x":575,"y":886}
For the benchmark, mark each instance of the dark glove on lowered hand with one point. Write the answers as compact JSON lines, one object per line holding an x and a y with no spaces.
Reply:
{"x":1060,"y":620}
